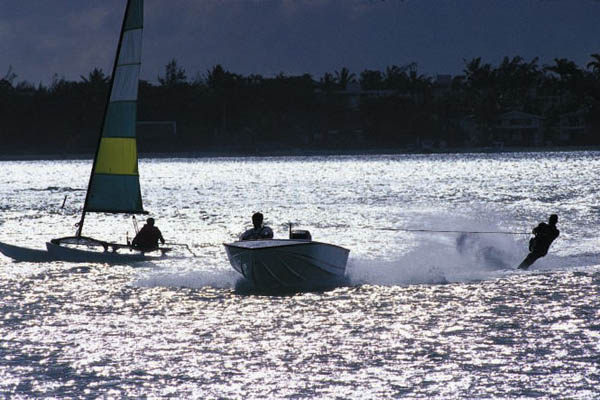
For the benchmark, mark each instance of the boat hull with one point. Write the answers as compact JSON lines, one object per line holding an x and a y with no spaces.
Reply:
{"x":288,"y":264}
{"x":25,"y":254}
{"x":70,"y":254}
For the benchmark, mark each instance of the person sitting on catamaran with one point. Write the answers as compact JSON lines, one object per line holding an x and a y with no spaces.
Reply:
{"x":259,"y":231}
{"x":148,"y":237}
{"x":539,"y":245}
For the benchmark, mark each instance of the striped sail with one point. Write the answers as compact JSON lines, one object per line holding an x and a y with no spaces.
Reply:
{"x":114,"y":184}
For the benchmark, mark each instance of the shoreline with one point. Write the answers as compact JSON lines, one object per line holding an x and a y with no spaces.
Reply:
{"x":307,"y":153}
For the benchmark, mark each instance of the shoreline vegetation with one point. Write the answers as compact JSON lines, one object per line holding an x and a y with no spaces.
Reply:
{"x":515,"y":105}
{"x":307,"y":153}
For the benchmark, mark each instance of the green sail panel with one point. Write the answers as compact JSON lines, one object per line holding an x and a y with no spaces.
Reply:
{"x":114,"y":185}
{"x":120,"y":119}
{"x":135,"y":15}
{"x":105,"y":198}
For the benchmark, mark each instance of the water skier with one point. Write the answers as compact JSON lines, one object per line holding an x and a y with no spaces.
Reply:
{"x":259,"y":231}
{"x":538,"y":245}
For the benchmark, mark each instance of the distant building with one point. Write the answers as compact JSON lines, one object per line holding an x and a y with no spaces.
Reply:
{"x":519,"y":128}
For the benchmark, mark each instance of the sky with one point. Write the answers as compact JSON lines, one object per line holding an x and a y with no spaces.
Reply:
{"x":41,"y":38}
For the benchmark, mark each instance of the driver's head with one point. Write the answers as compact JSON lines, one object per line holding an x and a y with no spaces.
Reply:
{"x":257,"y":220}
{"x":553,"y":219}
{"x":150,"y":221}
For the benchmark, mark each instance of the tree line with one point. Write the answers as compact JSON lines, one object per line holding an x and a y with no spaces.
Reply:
{"x":225,"y":112}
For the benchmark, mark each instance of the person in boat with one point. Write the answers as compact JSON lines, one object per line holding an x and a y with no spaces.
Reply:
{"x":545,"y":233}
{"x":258,"y":231}
{"x":148,"y":237}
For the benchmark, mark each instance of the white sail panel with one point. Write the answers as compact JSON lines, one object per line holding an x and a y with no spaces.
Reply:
{"x":125,"y":84}
{"x":131,"y":48}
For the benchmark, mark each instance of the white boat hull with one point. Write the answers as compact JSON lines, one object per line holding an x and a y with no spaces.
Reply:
{"x":288,"y":263}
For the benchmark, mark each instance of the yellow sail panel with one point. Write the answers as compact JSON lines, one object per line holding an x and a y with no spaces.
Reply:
{"x":117,"y":156}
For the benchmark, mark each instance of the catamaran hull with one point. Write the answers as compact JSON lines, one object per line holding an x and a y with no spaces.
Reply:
{"x":25,"y":254}
{"x":288,"y":264}
{"x":55,"y":252}
{"x":71,"y":254}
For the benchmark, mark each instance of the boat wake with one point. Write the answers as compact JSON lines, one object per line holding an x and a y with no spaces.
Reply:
{"x":428,"y":263}
{"x":457,"y":259}
{"x":212,"y":277}
{"x":436,"y":258}
{"x":442,"y":258}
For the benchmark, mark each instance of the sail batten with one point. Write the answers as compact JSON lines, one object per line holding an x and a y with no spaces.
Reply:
{"x":114,"y":185}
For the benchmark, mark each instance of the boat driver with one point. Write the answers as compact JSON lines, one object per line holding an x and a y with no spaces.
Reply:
{"x":148,"y":237}
{"x":545,"y":233}
{"x":259,"y":231}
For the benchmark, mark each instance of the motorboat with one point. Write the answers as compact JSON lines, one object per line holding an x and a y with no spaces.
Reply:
{"x":294,"y":263}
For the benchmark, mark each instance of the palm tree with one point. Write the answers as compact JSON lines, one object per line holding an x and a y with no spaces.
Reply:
{"x":221,"y":83}
{"x":482,"y":98}
{"x":565,"y":69}
{"x":344,"y":77}
{"x":595,"y":64}
{"x":571,"y":80}
{"x":514,"y":79}
{"x":418,"y":84}
{"x":479,"y":76}
{"x":395,"y":78}
{"x":327,"y":83}
{"x":371,"y":80}
{"x":594,"y":86}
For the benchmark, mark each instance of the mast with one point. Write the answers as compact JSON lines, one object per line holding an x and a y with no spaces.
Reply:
{"x":116,"y":141}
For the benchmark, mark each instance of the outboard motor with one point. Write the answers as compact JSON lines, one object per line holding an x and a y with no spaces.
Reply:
{"x":300,"y":234}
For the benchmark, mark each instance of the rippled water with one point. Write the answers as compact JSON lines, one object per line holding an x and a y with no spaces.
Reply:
{"x":418,"y":317}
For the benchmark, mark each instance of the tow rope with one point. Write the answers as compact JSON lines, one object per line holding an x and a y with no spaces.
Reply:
{"x":440,"y":231}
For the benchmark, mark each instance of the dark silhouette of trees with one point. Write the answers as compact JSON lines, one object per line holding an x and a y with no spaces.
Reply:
{"x":594,"y":65}
{"x":481,"y":98}
{"x":371,"y":80}
{"x":96,"y":79}
{"x":174,"y":75}
{"x":516,"y":79}
{"x":343,"y":77}
{"x":328,"y":83}
{"x":9,"y":77}
{"x":221,"y":111}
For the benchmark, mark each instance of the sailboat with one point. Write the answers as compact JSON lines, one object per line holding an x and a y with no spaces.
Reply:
{"x":289,"y":264}
{"x":114,"y":185}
